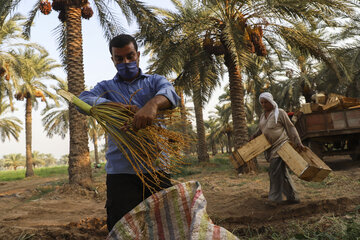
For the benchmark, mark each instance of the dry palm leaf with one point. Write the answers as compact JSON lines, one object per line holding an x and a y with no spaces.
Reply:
{"x":148,"y":150}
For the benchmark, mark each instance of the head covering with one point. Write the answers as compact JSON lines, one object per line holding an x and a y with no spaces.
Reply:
{"x":269,"y":97}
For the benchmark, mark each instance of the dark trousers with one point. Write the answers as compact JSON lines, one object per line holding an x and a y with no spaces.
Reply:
{"x":280,"y":181}
{"x":126,"y":191}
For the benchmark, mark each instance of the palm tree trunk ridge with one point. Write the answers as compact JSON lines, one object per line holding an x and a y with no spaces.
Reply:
{"x":28,"y":132}
{"x":79,"y":160}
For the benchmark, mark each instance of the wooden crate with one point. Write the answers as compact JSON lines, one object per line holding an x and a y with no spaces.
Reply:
{"x":306,"y":165}
{"x":348,"y":102}
{"x":334,"y":105}
{"x":315,"y":107}
{"x":316,"y":165}
{"x":306,"y":108}
{"x":249,"y":150}
{"x":320,"y":98}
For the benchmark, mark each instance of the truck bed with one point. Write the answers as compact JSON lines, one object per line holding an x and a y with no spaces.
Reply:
{"x":332,"y":123}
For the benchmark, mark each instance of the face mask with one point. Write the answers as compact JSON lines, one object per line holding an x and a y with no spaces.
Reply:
{"x":127,"y":70}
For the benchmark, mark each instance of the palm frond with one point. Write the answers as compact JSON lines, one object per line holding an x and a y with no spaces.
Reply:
{"x":60,"y":34}
{"x":9,"y":126}
{"x":109,"y":22}
{"x":55,"y":121}
{"x":30,"y":19}
{"x":7,"y":6}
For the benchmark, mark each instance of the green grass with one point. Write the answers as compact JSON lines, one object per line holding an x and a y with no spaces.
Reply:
{"x":237,"y":184}
{"x":315,"y":185}
{"x":11,"y":175}
{"x":217,"y":163}
{"x":42,"y":191}
{"x":99,"y":171}
{"x":51,"y":171}
{"x":25,"y":236}
{"x":222,"y":161}
{"x":330,"y":180}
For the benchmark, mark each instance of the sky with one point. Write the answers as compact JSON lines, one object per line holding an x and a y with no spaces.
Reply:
{"x":97,"y":67}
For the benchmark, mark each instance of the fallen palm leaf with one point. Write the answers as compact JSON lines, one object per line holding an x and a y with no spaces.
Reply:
{"x":151,"y":149}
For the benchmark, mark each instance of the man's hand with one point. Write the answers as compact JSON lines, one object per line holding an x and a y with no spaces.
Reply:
{"x":145,"y":116}
{"x":132,"y":108}
{"x":300,"y":147}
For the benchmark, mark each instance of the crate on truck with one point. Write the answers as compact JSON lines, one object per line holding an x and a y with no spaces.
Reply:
{"x":334,"y":129}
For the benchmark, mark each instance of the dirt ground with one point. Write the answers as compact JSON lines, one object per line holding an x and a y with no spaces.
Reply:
{"x":41,"y":208}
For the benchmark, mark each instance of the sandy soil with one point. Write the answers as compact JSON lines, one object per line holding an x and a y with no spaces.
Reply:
{"x":40,"y":208}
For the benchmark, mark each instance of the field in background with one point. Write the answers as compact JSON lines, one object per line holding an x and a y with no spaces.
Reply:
{"x":46,"y":207}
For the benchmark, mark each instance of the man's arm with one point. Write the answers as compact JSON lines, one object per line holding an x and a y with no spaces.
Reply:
{"x":96,"y":95}
{"x":93,"y":96}
{"x":256,"y":134}
{"x":165,"y":98}
{"x":145,"y":116}
{"x":291,"y":130}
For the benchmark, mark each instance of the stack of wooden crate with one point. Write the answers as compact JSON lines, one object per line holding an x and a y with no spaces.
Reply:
{"x":305,"y":164}
{"x":330,"y":102}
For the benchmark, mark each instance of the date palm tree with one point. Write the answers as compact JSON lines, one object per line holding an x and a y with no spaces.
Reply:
{"x":223,"y":116}
{"x":9,"y":30}
{"x":32,"y":68}
{"x":9,"y":126}
{"x":13,"y":160}
{"x":237,"y":30}
{"x":95,"y":132}
{"x":56,"y":118}
{"x":64,"y":159}
{"x":38,"y":159}
{"x":183,"y":112}
{"x":176,"y":49}
{"x":49,"y":159}
{"x":212,"y":134}
{"x":70,"y":39}
{"x":199,"y":82}
{"x":326,"y":81}
{"x":348,"y":60}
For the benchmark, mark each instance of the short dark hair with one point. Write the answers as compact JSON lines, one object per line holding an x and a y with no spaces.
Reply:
{"x":121,"y":41}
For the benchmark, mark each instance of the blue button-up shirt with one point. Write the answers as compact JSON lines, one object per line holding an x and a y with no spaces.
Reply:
{"x":118,"y":90}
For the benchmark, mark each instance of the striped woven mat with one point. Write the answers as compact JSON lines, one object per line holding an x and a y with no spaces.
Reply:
{"x":178,"y":212}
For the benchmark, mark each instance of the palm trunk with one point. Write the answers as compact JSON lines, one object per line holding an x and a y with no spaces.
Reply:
{"x":229,"y":141}
{"x":183,"y":112}
{"x":213,"y":148}
{"x":2,"y":89}
{"x":187,"y":150}
{"x":106,"y":142}
{"x":238,"y":107}
{"x":28,"y":134}
{"x":203,"y":156}
{"x":95,"y":137}
{"x":79,"y":160}
{"x":258,"y":109}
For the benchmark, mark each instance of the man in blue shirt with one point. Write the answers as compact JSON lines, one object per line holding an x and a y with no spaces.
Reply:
{"x":124,"y":189}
